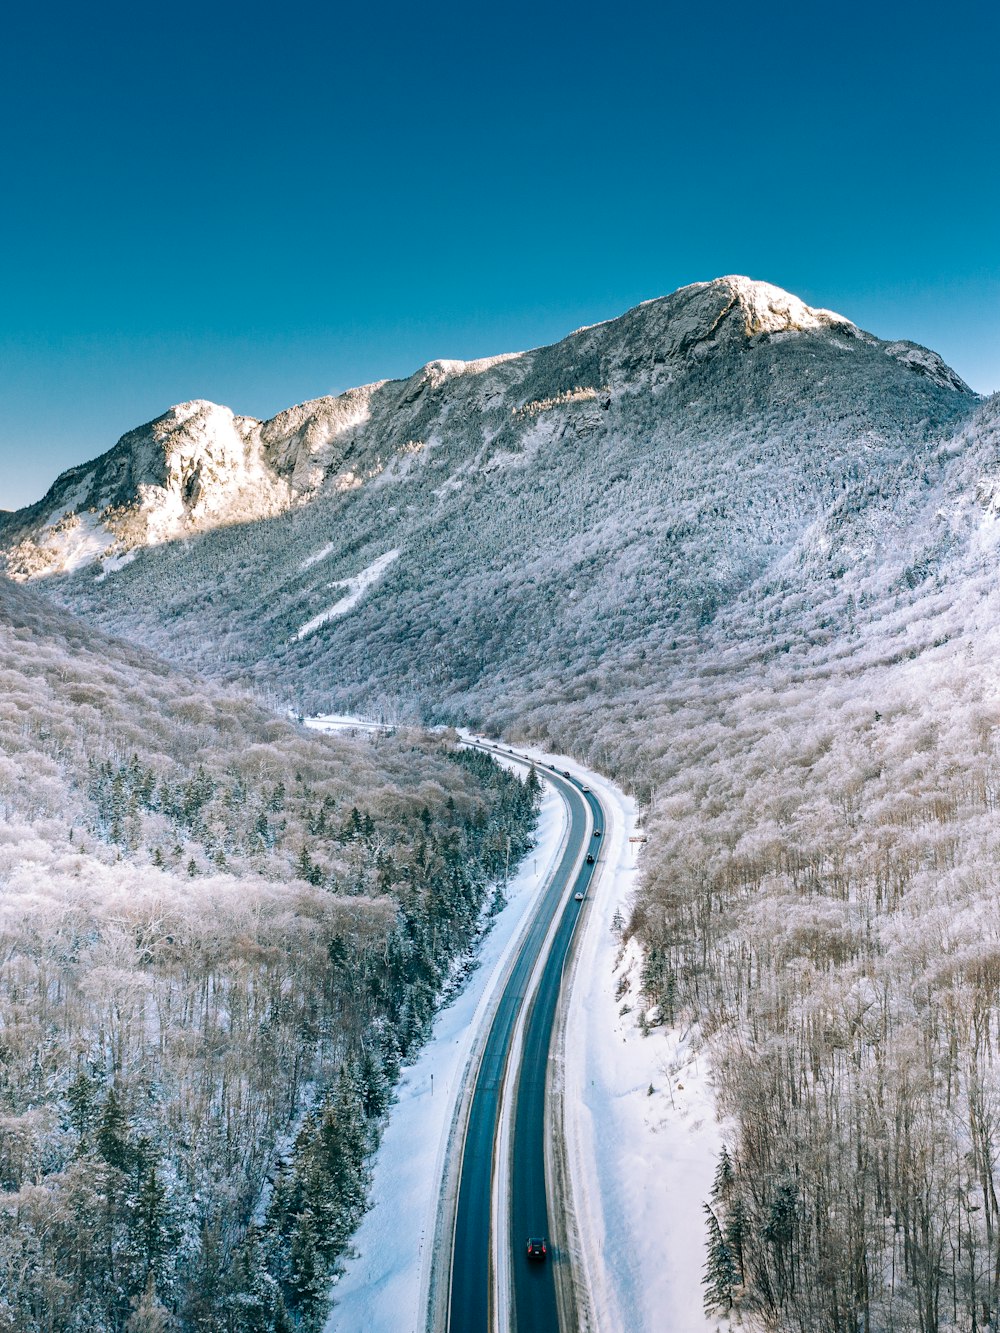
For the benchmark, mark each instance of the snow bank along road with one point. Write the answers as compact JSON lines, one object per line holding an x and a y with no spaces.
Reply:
{"x":486,"y":1274}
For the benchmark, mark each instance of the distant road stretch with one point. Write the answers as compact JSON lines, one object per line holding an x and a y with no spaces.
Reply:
{"x":534,"y":1289}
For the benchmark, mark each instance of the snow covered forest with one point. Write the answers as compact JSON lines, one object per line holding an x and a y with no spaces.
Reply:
{"x":219,"y":936}
{"x":821,"y":895}
{"x":742,"y":557}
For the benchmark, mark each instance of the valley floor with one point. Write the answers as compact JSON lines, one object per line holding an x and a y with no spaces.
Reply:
{"x":642,"y":1137}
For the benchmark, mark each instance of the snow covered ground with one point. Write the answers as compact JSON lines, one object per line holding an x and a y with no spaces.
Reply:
{"x":74,"y":540}
{"x":343,"y":722}
{"x":356,"y":589}
{"x":385,"y":1287}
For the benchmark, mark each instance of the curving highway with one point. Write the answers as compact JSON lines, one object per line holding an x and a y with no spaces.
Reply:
{"x":533,"y":1284}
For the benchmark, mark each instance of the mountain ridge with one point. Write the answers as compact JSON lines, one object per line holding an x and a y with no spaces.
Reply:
{"x":199,"y":465}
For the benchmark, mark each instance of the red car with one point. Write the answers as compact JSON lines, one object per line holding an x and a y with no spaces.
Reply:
{"x":536,"y":1249}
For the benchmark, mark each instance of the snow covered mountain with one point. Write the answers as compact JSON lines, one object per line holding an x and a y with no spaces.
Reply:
{"x":196,"y":467}
{"x":200,"y":467}
{"x":444,"y":543}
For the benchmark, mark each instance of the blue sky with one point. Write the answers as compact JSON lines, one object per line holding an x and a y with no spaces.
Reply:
{"x":261,"y":205}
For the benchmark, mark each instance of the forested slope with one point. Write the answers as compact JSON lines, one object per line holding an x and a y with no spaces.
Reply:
{"x":211,"y":923}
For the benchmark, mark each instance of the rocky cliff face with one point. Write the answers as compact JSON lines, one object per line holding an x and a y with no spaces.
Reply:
{"x":196,"y":467}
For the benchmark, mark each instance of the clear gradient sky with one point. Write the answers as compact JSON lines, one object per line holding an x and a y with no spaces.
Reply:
{"x":259,"y":205}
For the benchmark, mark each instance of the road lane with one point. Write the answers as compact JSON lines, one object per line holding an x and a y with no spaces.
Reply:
{"x":535,"y":1309}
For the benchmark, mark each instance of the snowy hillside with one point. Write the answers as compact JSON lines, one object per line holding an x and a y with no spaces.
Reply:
{"x":199,"y":467}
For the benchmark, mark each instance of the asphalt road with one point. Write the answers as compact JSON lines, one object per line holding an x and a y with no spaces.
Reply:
{"x":534,"y":1286}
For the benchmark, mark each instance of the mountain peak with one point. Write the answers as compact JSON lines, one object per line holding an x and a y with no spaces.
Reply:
{"x":770,"y":309}
{"x":197,"y":407}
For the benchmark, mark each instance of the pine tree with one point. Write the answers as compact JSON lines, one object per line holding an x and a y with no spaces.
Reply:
{"x":153,"y":1230}
{"x":720,"y":1271}
{"x":82,"y":1098}
{"x":253,"y":1296}
{"x":307,"y":1280}
{"x":725,"y":1177}
{"x":112,"y":1132}
{"x":737,"y":1234}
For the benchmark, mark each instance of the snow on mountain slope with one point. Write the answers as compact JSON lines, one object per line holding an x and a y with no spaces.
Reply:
{"x":356,"y":589}
{"x":195,"y":467}
{"x":587,"y":507}
{"x":199,"y":467}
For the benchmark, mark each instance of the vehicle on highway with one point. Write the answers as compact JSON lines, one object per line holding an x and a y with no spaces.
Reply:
{"x":590,"y":858}
{"x":597,"y":832}
{"x":586,"y":789}
{"x":536,"y":1248}
{"x":578,"y":897}
{"x":565,"y":772}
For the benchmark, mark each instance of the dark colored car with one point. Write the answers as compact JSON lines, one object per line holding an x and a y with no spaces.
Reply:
{"x":597,"y":832}
{"x":590,"y":858}
{"x":536,"y":1249}
{"x":565,"y":772}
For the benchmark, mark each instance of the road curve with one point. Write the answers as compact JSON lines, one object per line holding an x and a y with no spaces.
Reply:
{"x":471,"y":1288}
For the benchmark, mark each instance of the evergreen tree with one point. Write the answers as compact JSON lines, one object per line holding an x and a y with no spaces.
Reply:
{"x":307,"y":1281}
{"x":82,"y":1098}
{"x":737,"y":1233}
{"x":724,"y":1177}
{"x":253,"y":1296}
{"x":720,"y":1271}
{"x":154,"y":1227}
{"x":112,"y":1132}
